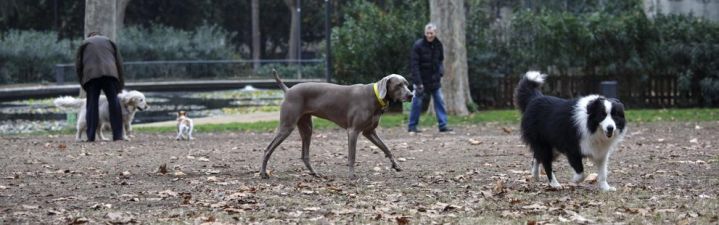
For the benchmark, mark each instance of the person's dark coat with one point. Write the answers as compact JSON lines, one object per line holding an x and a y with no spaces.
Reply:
{"x":98,"y":56}
{"x":426,"y":63}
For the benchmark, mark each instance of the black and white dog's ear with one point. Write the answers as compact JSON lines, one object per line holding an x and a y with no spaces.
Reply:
{"x":616,"y":102}
{"x":382,"y":86}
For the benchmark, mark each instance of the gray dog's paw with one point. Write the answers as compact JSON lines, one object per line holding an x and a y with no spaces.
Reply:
{"x":264,"y":176}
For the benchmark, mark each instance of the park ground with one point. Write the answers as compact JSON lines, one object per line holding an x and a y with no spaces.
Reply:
{"x":665,"y":172}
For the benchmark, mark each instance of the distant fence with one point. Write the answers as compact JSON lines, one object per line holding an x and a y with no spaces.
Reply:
{"x":633,"y":91}
{"x":207,"y":70}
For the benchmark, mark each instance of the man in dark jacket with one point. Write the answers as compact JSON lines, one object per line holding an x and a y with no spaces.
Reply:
{"x":427,"y":70}
{"x":99,"y":67}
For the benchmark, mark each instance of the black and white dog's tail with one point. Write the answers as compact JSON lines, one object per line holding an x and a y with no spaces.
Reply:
{"x":528,"y":88}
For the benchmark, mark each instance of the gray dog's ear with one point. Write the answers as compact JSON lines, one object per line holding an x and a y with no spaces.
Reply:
{"x":382,"y":87}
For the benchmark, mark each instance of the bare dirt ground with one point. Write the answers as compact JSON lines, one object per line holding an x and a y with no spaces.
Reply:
{"x":665,"y":173}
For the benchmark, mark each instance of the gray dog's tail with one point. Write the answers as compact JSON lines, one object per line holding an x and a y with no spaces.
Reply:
{"x":528,"y":88}
{"x":279,"y":82}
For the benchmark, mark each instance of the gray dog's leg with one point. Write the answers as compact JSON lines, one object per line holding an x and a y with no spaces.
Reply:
{"x":283,"y":132}
{"x":372,"y":136}
{"x":304,"y":126}
{"x":352,"y":139}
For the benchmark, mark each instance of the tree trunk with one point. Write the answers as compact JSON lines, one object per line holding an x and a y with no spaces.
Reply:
{"x":97,"y":19}
{"x":449,"y":17}
{"x":256,"y":34}
{"x":294,"y":35}
{"x":120,"y":17}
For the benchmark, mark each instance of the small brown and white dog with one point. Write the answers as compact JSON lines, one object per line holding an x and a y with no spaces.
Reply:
{"x":184,"y":126}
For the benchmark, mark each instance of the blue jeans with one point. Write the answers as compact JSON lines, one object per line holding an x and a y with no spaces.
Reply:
{"x":438,"y":108}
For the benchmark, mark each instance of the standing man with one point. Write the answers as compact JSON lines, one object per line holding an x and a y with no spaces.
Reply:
{"x":427,"y":71}
{"x":99,"y":67}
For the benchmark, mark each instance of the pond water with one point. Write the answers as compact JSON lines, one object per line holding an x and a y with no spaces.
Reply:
{"x":26,"y":116}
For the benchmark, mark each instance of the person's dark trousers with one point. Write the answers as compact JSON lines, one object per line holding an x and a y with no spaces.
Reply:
{"x":110,"y":86}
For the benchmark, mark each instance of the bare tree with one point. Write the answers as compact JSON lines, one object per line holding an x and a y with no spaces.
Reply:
{"x":97,"y":19}
{"x":256,"y":34}
{"x":294,"y":34}
{"x":450,"y":19}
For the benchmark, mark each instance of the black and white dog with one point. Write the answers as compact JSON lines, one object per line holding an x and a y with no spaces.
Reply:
{"x":586,"y":127}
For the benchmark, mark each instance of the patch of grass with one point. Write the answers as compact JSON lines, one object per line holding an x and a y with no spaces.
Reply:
{"x":500,"y":116}
{"x":663,"y":115}
{"x":430,"y":121}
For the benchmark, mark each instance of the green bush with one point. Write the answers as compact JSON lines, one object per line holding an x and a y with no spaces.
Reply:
{"x":373,"y":42}
{"x":289,"y":71}
{"x":613,"y":41}
{"x":30,"y":56}
{"x":166,"y":43}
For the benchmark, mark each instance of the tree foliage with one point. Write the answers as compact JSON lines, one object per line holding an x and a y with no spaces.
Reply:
{"x":615,"y":39}
{"x":374,"y":42}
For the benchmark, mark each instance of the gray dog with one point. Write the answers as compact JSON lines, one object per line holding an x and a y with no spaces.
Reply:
{"x":356,"y":108}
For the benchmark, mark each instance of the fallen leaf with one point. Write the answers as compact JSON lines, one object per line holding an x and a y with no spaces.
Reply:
{"x":507,"y":130}
{"x":402,"y":220}
{"x":591,"y":178}
{"x":120,"y":218}
{"x":474,"y":142}
{"x":498,"y":187}
{"x":577,"y":218}
{"x":162,"y":169}
{"x":167,"y":193}
{"x":535,"y":206}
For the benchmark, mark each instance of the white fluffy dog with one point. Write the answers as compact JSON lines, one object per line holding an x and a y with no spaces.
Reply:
{"x":130,"y":102}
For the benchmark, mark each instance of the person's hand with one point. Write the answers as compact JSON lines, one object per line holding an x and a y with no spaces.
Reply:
{"x":419,"y":89}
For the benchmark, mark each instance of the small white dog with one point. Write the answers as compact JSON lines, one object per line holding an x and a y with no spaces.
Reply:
{"x":184,"y":126}
{"x":130,"y":102}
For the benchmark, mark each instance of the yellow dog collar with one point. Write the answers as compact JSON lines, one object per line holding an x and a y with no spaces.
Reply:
{"x":382,"y":102}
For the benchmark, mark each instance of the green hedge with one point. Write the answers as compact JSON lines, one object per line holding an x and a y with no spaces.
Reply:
{"x":374,"y":42}
{"x":30,"y":56}
{"x":610,"y":41}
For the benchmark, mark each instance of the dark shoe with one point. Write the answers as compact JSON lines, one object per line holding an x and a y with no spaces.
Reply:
{"x":446,"y":129}
{"x":414,"y":130}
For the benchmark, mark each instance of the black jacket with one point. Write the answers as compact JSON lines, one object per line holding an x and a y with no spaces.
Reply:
{"x":426,"y":63}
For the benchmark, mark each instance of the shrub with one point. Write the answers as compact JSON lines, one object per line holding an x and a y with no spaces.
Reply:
{"x":30,"y":56}
{"x":373,"y":42}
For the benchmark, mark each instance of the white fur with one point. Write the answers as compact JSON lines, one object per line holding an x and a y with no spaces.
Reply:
{"x":130,"y":102}
{"x":184,"y":128}
{"x":535,"y":169}
{"x":597,"y":145}
{"x":554,"y":183}
{"x":535,"y":76}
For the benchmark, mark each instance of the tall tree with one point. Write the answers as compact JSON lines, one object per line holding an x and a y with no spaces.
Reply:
{"x":120,"y":15}
{"x":294,"y":32}
{"x":449,"y":17}
{"x":256,"y":34}
{"x":104,"y":16}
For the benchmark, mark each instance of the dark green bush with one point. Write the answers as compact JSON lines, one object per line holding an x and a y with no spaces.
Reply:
{"x":613,"y":41}
{"x":374,"y":42}
{"x":30,"y":56}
